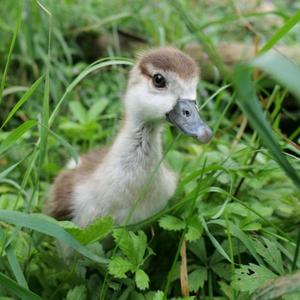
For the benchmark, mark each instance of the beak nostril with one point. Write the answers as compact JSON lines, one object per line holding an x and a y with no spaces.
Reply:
{"x":186,"y":113}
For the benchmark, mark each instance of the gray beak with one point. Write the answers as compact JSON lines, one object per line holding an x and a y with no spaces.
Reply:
{"x":185,"y":116}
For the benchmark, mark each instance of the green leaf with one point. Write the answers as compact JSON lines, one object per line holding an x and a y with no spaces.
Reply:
{"x":97,"y":230}
{"x":141,"y":279}
{"x":16,"y":134}
{"x":78,"y":110}
{"x":171,"y":223}
{"x":197,"y":279}
{"x":23,"y":99}
{"x":96,"y":109}
{"x":249,"y":277}
{"x":79,"y":292}
{"x":119,"y":266}
{"x":194,"y":230}
{"x":48,"y":226}
{"x":249,"y":103}
{"x":16,"y":289}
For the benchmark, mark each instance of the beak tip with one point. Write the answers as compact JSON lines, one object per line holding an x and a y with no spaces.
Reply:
{"x":205,"y":135}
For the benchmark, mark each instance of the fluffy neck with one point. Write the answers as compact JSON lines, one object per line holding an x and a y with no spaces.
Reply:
{"x":138,"y":144}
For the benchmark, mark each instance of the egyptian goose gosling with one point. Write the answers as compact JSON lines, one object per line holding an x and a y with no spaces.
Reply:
{"x":162,"y":86}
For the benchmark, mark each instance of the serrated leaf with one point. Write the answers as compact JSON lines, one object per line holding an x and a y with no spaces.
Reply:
{"x":123,"y":241}
{"x":119,"y":266}
{"x":100,"y":228}
{"x":79,"y":292}
{"x":222,"y":269}
{"x":139,"y":242}
{"x":171,"y":223}
{"x":141,"y":279}
{"x":197,"y":279}
{"x":271,"y":254}
{"x":194,"y":230}
{"x":249,"y":277}
{"x":132,"y":245}
{"x":159,"y":295}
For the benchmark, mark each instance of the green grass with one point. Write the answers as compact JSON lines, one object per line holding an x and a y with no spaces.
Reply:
{"x":233,"y":224}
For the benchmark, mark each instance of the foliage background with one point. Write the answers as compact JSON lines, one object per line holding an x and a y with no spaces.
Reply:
{"x":234,"y":221}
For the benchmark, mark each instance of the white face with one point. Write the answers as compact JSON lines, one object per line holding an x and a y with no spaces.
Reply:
{"x":152,"y":97}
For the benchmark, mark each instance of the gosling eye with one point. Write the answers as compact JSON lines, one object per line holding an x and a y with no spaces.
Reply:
{"x":159,"y":81}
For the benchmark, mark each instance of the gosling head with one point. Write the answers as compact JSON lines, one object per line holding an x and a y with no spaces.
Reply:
{"x":162,"y":86}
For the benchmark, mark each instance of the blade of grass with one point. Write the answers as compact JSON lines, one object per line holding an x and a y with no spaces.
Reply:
{"x":17,"y":133}
{"x":170,"y":273}
{"x":23,"y":99}
{"x":101,"y":63}
{"x":4,"y":173}
{"x":15,"y":266}
{"x":249,"y":103}
{"x":214,"y":95}
{"x":48,"y":226}
{"x":14,"y":89}
{"x":238,"y":233}
{"x":281,"y":32}
{"x":73,"y":153}
{"x":214,"y":241}
{"x":233,"y":18}
{"x":97,"y":25}
{"x":281,"y":69}
{"x":11,"y":48}
{"x":45,"y":111}
{"x":276,"y":288}
{"x":16,"y":289}
{"x":206,"y":42}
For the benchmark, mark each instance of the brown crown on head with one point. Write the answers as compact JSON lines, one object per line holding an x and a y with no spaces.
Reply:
{"x":169,"y":59}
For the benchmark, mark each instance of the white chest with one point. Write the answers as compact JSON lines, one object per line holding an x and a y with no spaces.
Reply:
{"x":131,"y":185}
